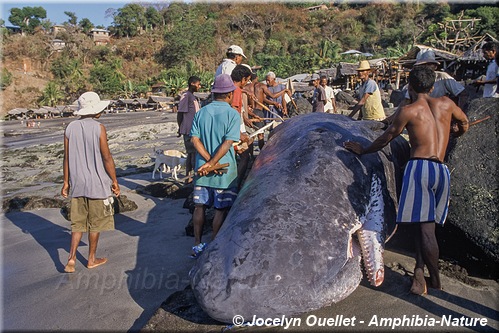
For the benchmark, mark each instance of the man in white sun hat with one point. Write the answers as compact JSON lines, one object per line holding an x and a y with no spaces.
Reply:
{"x":89,"y":178}
{"x":234,"y":57}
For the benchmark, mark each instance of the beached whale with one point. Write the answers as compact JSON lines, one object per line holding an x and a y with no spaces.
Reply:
{"x":290,"y":243}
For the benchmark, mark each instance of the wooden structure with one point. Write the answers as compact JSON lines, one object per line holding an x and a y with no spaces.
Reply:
{"x":472,"y":63}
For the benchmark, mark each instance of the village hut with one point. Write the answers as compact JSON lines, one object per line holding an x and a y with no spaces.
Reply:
{"x":17,"y":113}
{"x":472,"y":63}
{"x":141,"y":104}
{"x":160,"y":102}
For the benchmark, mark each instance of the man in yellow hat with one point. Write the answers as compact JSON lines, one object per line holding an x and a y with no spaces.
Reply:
{"x":369,"y":96}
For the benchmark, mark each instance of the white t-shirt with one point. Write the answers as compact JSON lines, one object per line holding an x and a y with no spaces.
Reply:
{"x":226,"y":67}
{"x":329,"y":98}
{"x":490,"y":89}
{"x":444,"y":85}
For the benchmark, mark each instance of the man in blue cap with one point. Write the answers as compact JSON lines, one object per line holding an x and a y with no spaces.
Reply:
{"x":214,"y":129}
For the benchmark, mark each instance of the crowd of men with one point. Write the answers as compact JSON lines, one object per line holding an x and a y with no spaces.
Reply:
{"x":219,"y":144}
{"x":426,"y":113}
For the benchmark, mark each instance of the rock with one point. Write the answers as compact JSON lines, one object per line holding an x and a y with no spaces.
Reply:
{"x":303,"y":105}
{"x":30,"y":203}
{"x":170,"y":189}
{"x":345,"y":98}
{"x":474,"y":165}
{"x":396,"y":97}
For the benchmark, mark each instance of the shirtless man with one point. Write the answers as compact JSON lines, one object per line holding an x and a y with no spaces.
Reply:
{"x":428,"y":123}
{"x":261,"y":92}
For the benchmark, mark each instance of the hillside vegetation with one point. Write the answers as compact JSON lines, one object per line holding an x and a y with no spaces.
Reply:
{"x":169,"y":42}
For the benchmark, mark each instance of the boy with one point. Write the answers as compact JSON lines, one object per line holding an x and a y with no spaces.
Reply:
{"x":89,"y":178}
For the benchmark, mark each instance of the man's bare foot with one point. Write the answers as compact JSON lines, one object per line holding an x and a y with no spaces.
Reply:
{"x":70,"y":267}
{"x":419,"y":282}
{"x":96,"y":262}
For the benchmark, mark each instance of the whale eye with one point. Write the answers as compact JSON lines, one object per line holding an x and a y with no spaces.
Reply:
{"x":277,"y":278}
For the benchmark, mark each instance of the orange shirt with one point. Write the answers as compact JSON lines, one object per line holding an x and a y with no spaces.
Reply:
{"x":237,"y":101}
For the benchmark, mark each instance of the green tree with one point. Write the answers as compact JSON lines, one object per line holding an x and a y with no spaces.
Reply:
{"x":86,"y":25}
{"x":187,"y":20}
{"x":51,"y":95}
{"x":107,"y":77}
{"x":73,"y":20}
{"x":489,"y":19}
{"x":27,"y":18}
{"x":5,"y":78}
{"x":153,"y":18}
{"x":129,"y":21}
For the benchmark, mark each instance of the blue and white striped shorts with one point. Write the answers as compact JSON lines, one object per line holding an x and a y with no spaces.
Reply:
{"x":425,"y":192}
{"x":218,"y":198}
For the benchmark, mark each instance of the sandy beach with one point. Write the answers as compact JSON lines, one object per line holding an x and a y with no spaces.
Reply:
{"x":148,"y":254}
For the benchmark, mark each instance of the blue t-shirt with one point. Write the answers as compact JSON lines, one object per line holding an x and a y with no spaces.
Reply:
{"x":213,"y":124}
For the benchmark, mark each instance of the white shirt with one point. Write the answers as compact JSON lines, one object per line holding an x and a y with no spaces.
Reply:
{"x":329,"y":98}
{"x":490,"y":89}
{"x":444,"y":85}
{"x":226,"y":67}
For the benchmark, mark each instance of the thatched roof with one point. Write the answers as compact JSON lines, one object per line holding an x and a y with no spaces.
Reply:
{"x":17,"y":111}
{"x":346,"y":69}
{"x":440,"y":55}
{"x":159,"y":99}
{"x":475,"y":53}
{"x":329,"y":72}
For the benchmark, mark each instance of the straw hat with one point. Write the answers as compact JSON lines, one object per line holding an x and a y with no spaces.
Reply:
{"x":223,"y":84}
{"x":364,"y":66}
{"x":90,"y":103}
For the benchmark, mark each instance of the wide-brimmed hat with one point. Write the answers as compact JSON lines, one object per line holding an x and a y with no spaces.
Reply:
{"x":364,"y":66}
{"x":90,"y":103}
{"x":426,"y":57}
{"x":223,"y":84}
{"x":236,"y":50}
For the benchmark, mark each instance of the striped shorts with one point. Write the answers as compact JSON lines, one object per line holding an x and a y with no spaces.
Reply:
{"x":425,"y":192}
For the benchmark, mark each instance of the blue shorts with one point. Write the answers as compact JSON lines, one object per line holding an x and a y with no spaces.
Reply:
{"x":425,"y":192}
{"x":218,"y":198}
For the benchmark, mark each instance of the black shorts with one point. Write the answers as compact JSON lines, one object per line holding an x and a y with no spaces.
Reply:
{"x":259,"y":113}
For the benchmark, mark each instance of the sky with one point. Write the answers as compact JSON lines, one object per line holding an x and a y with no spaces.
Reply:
{"x":95,"y":11}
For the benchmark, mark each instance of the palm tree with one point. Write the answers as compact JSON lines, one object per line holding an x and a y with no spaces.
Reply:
{"x":51,"y":95}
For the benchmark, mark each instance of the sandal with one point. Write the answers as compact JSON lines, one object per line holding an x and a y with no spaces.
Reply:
{"x":197,"y":250}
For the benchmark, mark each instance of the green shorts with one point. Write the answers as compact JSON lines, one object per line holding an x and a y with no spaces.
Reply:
{"x":92,"y":215}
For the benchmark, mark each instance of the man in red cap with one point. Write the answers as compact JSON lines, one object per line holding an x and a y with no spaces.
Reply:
{"x":215,"y":128}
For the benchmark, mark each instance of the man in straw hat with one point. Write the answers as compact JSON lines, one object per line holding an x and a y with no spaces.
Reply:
{"x":424,"y":199}
{"x":215,"y":128}
{"x":369,"y":96}
{"x":89,"y":178}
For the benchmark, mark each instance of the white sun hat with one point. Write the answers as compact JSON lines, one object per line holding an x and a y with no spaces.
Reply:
{"x":236,"y":50}
{"x":90,"y":103}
